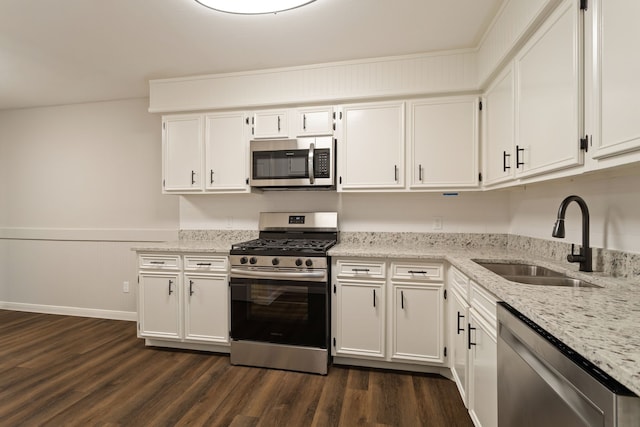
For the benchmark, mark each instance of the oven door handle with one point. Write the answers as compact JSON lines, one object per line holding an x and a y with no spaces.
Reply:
{"x":277,"y":275}
{"x":312,"y":177}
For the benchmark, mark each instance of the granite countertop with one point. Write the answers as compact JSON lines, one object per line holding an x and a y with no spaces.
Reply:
{"x":599,"y":323}
{"x":200,"y":241}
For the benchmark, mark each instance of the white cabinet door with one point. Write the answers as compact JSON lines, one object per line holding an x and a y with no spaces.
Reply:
{"x":182,"y":137}
{"x":458,"y":320}
{"x":444,"y":143}
{"x":226,"y":148}
{"x":372,"y":146}
{"x":483,"y":371}
{"x":314,"y":121}
{"x":417,"y":323}
{"x":549,"y":112}
{"x":360,"y":319}
{"x":270,"y":124}
{"x":159,"y":305}
{"x":498,"y":119}
{"x":206,"y":308}
{"x":616,"y":83}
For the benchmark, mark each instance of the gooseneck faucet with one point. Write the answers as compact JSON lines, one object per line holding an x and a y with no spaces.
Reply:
{"x":584,"y":256}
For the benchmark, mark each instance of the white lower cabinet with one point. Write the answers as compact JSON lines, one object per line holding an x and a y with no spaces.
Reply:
{"x":417,"y":323}
{"x":473,"y":341}
{"x":360,"y":318}
{"x":184,"y":301}
{"x":159,"y":305}
{"x":206,"y":308}
{"x":483,"y":371}
{"x":458,"y":320}
{"x":407,"y":329}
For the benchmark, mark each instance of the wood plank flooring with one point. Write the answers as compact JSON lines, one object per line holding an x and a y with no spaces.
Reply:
{"x":75,"y":371}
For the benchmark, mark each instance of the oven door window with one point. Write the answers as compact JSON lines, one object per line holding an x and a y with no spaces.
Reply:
{"x":292,"y":313}
{"x":280,"y":164}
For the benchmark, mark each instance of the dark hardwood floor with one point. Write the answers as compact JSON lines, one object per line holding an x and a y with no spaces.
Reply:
{"x":75,"y":371}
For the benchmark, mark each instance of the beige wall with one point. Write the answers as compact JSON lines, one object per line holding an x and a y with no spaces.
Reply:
{"x":415,"y":212}
{"x":613,"y":199}
{"x":81,"y":186}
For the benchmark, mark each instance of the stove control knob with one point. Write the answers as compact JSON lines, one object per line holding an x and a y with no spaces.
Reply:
{"x":253,"y":260}
{"x":243,"y":260}
{"x":308,"y":263}
{"x":275,"y":261}
{"x":298,"y":262}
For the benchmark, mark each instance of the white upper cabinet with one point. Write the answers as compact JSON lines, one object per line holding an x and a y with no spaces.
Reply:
{"x":371,"y":146}
{"x":615,"y":34}
{"x":270,"y":124}
{"x":444,"y":143}
{"x":226,"y":152}
{"x":182,"y":140}
{"x":314,"y":121}
{"x":549,"y":114}
{"x":205,"y":153}
{"x":498,"y":126}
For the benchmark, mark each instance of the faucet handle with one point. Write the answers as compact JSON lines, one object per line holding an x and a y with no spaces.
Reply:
{"x":575,"y":257}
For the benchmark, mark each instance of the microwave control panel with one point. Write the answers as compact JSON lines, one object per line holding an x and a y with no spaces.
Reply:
{"x":322,"y":163}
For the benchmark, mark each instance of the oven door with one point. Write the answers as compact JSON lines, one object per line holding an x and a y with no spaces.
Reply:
{"x":280,"y":311}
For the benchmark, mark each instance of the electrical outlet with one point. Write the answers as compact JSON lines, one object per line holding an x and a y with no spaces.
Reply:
{"x":437,"y":223}
{"x":125,"y":287}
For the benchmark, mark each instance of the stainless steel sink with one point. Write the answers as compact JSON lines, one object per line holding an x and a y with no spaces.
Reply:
{"x":531,"y":274}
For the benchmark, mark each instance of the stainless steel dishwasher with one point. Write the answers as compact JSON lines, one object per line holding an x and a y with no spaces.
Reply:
{"x":542,"y":382}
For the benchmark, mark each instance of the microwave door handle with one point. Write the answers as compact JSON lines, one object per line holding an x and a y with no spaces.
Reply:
{"x":311,"y":155}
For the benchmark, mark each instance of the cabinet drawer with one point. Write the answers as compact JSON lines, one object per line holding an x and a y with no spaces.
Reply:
{"x":483,"y":302}
{"x":163,"y":262}
{"x":459,"y":282}
{"x":205,"y":263}
{"x":361,"y":269}
{"x":419,"y":272}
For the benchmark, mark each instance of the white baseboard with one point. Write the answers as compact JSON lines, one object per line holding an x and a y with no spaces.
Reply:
{"x":70,"y":311}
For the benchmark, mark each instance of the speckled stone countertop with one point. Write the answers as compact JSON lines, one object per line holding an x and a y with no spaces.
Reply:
{"x":200,"y":241}
{"x":599,"y":323}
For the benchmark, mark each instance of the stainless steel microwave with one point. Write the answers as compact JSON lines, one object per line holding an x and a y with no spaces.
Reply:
{"x":307,"y":162}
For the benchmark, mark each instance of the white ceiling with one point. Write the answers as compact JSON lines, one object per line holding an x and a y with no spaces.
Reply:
{"x":70,"y":51}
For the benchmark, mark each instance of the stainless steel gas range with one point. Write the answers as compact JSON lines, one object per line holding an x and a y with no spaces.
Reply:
{"x":280,"y":293}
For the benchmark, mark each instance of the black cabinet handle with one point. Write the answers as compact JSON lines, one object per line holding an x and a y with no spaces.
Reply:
{"x":469,"y":343}
{"x":402,"y":299}
{"x":374,"y":297}
{"x":518,"y":162}
{"x":211,"y":177}
{"x":193,"y":177}
{"x":417,"y":272}
{"x":395,"y":172}
{"x":190,"y":287}
{"x":200,"y":264}
{"x":278,"y":123}
{"x":420,"y":173}
{"x":156,"y":262}
{"x":360,"y":270}
{"x":460,"y":316}
{"x":170,"y":290}
{"x":504,"y":161}
{"x":304,"y":122}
